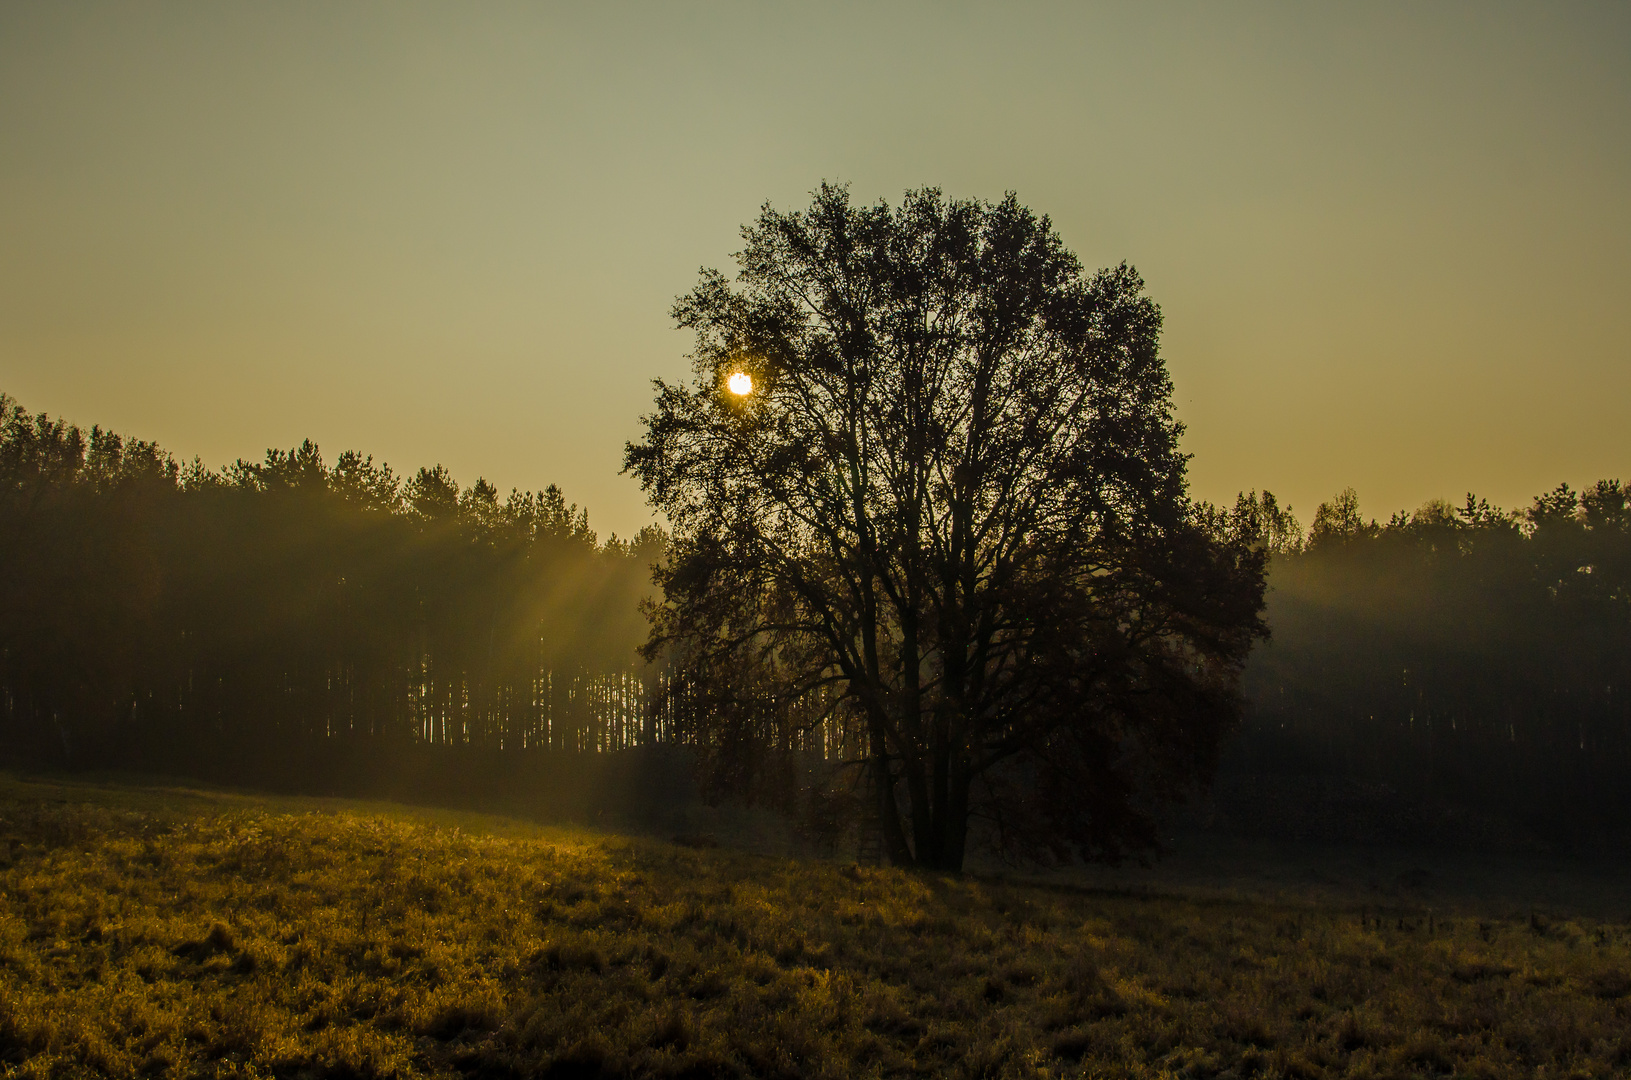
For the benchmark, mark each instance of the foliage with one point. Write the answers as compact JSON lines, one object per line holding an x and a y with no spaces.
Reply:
{"x":1255,"y":521}
{"x":1465,"y":654}
{"x":155,"y":934}
{"x":954,"y":504}
{"x":186,"y":617}
{"x":1338,"y":521}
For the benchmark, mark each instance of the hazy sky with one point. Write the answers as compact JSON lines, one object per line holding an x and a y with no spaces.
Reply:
{"x":1392,"y":243}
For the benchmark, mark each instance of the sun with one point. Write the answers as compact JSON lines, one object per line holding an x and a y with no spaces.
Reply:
{"x":741,"y":383}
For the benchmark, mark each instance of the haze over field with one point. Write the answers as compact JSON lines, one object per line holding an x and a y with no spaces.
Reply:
{"x":1392,"y":243}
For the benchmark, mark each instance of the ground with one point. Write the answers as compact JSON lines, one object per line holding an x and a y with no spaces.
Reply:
{"x":152,"y":931}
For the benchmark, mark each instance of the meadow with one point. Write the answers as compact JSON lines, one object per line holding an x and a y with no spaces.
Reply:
{"x":149,"y":932}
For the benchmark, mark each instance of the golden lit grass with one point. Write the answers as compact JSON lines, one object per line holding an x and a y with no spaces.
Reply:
{"x":145,"y":936}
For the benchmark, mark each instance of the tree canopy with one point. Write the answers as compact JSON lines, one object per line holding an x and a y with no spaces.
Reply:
{"x":952,"y":509}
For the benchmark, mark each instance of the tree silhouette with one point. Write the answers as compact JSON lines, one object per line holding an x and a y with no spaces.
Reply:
{"x":953,"y":506}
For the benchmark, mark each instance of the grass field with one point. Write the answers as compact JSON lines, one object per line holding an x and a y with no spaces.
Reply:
{"x":154,"y":932}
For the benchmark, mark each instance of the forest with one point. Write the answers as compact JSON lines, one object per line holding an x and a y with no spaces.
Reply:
{"x":298,"y":621}
{"x":320,"y":625}
{"x":1454,"y":662}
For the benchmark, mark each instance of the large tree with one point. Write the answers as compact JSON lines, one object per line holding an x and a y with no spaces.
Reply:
{"x":953,"y":503}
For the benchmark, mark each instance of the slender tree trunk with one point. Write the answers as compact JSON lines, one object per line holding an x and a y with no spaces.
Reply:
{"x":938,"y":780}
{"x":883,"y":787}
{"x":955,"y":827}
{"x":924,"y":840}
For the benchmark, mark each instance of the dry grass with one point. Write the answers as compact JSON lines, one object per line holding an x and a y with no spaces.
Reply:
{"x":143,"y":935}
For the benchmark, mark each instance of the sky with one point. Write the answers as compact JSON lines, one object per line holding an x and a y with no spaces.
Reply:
{"x":1392,"y":242}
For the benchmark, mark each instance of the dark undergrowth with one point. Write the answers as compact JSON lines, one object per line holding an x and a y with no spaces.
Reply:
{"x":167,"y":934}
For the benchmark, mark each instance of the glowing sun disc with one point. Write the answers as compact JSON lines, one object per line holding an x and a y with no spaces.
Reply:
{"x":741,"y":383}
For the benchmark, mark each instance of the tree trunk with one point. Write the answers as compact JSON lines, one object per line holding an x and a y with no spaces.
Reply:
{"x":955,"y":845}
{"x":883,"y":793}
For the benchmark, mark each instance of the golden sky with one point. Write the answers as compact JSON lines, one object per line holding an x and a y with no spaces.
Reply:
{"x":1392,"y":242}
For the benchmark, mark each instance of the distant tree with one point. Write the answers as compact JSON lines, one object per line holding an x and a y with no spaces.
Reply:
{"x":953,"y":503}
{"x":1606,"y":506}
{"x":361,"y":483}
{"x":1256,"y":521}
{"x":432,"y":494}
{"x":1338,"y":521}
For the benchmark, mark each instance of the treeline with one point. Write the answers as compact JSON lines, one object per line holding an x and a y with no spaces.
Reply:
{"x":301,"y":612}
{"x":331,"y":625}
{"x":1449,"y":672}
